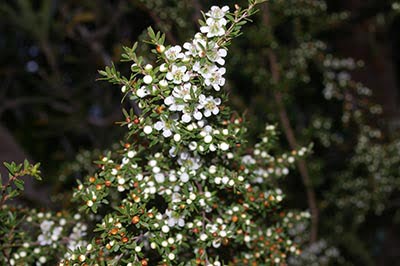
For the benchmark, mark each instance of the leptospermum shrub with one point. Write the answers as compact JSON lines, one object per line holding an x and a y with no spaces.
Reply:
{"x":185,"y":189}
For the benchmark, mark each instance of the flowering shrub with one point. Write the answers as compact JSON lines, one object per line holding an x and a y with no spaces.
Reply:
{"x":185,"y":188}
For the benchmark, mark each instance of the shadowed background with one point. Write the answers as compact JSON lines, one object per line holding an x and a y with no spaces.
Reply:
{"x":51,"y":107}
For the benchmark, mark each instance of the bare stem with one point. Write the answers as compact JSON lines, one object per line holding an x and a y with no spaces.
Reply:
{"x":290,"y":136}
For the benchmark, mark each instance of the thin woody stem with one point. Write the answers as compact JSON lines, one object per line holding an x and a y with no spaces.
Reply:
{"x":290,"y":136}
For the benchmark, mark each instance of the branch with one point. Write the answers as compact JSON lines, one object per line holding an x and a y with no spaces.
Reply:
{"x":289,"y":133}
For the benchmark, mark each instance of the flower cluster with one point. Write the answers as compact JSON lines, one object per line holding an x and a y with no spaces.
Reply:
{"x":185,"y":189}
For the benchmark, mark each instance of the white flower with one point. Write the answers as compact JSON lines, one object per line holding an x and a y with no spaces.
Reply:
{"x":216,"y":54}
{"x":177,"y":137}
{"x":173,"y":104}
{"x":174,"y":219}
{"x":165,"y":228}
{"x":160,"y":178}
{"x":163,"y":83}
{"x":46,"y":225}
{"x":217,"y":12}
{"x":147,"y":79}
{"x":147,"y":130}
{"x":209,"y":105}
{"x":184,"y":177}
{"x":207,"y":130}
{"x":186,"y":118}
{"x":197,"y":114}
{"x":174,"y":53}
{"x":178,"y":74}
{"x":163,"y":67}
{"x":184,"y":91}
{"x":214,"y":27}
{"x":165,"y":127}
{"x":224,"y":146}
{"x":142,"y":92}
{"x":215,"y":78}
{"x":189,"y":162}
{"x":197,"y":47}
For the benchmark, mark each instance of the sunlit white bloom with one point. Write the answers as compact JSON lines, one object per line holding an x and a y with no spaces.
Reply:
{"x":215,"y":78}
{"x":174,"y":53}
{"x":217,"y":12}
{"x":214,"y":27}
{"x":178,"y":74}
{"x":165,"y":127}
{"x":142,"y":92}
{"x":209,"y":105}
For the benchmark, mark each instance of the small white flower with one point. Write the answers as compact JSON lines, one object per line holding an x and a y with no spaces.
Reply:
{"x":178,"y":74}
{"x":142,"y":92}
{"x":160,"y":178}
{"x":184,"y":177}
{"x":193,"y":145}
{"x":203,"y":237}
{"x":197,"y":114}
{"x":148,"y":79}
{"x":186,"y":118}
{"x":215,"y":78}
{"x":224,"y":146}
{"x":184,"y":92}
{"x":216,"y":54}
{"x":189,"y":162}
{"x":208,"y":139}
{"x":164,"y":67}
{"x":177,"y":137}
{"x":174,"y":53}
{"x":214,"y":27}
{"x":173,"y":219}
{"x":197,"y":47}
{"x":147,"y":130}
{"x":173,"y":104}
{"x":165,"y":127}
{"x":209,"y":105}
{"x":163,"y":83}
{"x":165,"y":228}
{"x":217,"y":12}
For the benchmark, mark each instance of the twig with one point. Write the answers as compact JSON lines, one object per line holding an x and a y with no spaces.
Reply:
{"x":289,"y":133}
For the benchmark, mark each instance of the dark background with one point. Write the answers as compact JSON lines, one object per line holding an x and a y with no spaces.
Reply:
{"x":52,"y":108}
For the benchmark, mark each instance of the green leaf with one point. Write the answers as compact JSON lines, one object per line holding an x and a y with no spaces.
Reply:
{"x":11,"y":167}
{"x":19,"y":183}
